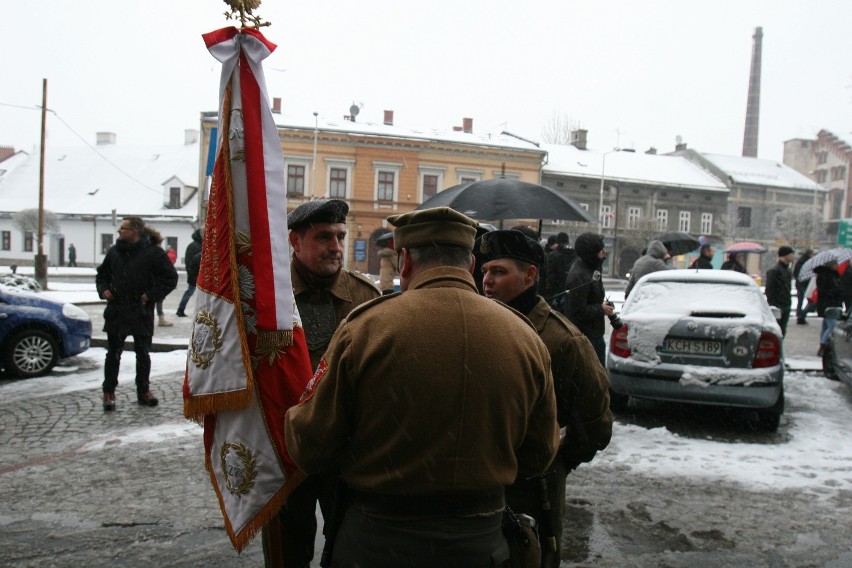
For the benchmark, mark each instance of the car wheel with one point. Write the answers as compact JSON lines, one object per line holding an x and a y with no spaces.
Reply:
{"x":768,"y":419}
{"x":618,"y":402}
{"x":828,"y":368}
{"x":31,"y":353}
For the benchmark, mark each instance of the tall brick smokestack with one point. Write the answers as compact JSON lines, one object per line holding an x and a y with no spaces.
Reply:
{"x":752,"y":122}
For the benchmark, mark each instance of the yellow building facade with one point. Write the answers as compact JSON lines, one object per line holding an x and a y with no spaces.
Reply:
{"x":381,"y":169}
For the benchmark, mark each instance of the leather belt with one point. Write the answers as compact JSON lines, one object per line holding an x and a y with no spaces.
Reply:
{"x":463,"y":504}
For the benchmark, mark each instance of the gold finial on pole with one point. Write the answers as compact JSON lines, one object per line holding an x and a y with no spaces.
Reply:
{"x":243,"y":11}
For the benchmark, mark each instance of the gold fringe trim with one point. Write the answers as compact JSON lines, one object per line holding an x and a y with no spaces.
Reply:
{"x":273,"y":344}
{"x":199,"y":406}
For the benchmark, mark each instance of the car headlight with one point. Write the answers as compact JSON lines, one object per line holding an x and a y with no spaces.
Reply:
{"x":74,"y":312}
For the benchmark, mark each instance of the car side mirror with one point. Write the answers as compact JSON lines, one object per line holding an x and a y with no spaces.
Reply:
{"x":776,"y":312}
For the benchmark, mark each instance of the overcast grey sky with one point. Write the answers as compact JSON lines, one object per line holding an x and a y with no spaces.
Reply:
{"x":635,"y":74}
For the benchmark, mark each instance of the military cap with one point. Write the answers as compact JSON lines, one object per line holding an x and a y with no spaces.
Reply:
{"x":318,"y":211}
{"x":510,"y":244}
{"x":436,"y":226}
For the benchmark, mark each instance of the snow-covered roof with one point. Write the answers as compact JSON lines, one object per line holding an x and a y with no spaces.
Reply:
{"x":674,"y":171}
{"x":498,"y":139}
{"x":756,"y":171}
{"x":85,"y":180}
{"x":12,"y":162}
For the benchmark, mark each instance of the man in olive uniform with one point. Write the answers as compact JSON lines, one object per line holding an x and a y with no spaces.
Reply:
{"x":325,"y":293}
{"x":429,"y":402}
{"x":511,"y":264}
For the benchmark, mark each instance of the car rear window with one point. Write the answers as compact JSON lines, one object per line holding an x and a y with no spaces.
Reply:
{"x":700,"y":299}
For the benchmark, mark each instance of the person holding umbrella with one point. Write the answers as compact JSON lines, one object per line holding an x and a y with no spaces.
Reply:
{"x":778,"y":286}
{"x":801,"y":287}
{"x":829,"y":295}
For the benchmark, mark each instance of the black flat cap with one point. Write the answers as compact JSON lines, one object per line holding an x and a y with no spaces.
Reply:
{"x":510,"y":244}
{"x":318,"y":211}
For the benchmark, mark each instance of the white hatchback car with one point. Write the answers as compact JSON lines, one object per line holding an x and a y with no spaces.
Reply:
{"x":699,"y":336}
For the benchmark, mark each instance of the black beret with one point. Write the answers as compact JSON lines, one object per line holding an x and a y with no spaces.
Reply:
{"x":318,"y":211}
{"x":510,"y":244}
{"x":785,"y":250}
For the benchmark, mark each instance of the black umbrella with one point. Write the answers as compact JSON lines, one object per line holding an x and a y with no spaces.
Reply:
{"x":678,"y":243}
{"x":505,"y":198}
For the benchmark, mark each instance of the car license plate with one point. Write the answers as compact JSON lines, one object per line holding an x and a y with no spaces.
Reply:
{"x":692,"y":346}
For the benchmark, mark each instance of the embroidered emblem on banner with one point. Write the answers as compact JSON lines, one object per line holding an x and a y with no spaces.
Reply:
{"x":206,"y":339}
{"x":322,"y":369}
{"x":239,"y":467}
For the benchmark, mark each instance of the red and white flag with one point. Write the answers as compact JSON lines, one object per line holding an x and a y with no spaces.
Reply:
{"x":248,"y":360}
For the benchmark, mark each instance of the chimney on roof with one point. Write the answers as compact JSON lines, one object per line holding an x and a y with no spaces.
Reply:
{"x":389,"y":117}
{"x":652,"y":151}
{"x":457,"y":128}
{"x":752,"y":122}
{"x":680,"y":146}
{"x":6,"y":152}
{"x":276,"y":105}
{"x":579,"y":138}
{"x":190,"y":136}
{"x":467,"y":125}
{"x":105,"y":138}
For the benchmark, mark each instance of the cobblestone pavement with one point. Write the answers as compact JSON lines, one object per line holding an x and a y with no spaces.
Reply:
{"x":81,"y":487}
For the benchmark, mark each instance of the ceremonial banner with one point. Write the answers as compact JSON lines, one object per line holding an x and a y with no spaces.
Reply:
{"x":248,"y":361}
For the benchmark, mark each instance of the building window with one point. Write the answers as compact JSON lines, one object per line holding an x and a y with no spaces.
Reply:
{"x":106,"y":242}
{"x":633,"y":214}
{"x":28,"y":241}
{"x":384,"y":186}
{"x":706,"y":223}
{"x":172,"y":243}
{"x":662,"y":219}
{"x":174,"y":198}
{"x":584,"y":207}
{"x":468,"y":176}
{"x":606,"y":216}
{"x":683,"y":222}
{"x":6,"y":240}
{"x":295,"y":180}
{"x":821,"y":176}
{"x":386,"y":181}
{"x":836,"y":205}
{"x":838,"y":173}
{"x":430,"y":186}
{"x":431,"y":181}
{"x":337,"y":182}
{"x":743,"y":216}
{"x":822,"y":157}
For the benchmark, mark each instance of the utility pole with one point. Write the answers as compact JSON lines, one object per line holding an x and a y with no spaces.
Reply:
{"x":41,"y":259}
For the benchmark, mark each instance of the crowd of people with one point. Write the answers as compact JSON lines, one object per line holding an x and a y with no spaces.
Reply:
{"x":409,"y":443}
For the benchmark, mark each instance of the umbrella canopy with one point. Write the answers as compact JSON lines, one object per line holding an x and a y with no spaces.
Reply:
{"x":678,"y":243}
{"x":746,"y":246}
{"x":839,"y":255}
{"x":505,"y":198}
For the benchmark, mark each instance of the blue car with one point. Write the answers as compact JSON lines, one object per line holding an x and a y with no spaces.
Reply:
{"x":35,"y":333}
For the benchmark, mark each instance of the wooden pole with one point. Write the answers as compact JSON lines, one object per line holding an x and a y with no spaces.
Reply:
{"x":41,"y":259}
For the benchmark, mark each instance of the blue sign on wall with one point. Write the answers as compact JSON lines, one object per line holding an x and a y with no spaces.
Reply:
{"x":360,"y":250}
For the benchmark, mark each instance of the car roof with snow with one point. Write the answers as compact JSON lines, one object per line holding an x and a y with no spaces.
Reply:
{"x":693,"y":275}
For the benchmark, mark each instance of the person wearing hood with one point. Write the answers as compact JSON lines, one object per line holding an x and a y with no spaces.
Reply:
{"x":511,"y":265}
{"x":559,"y":261}
{"x":585,"y":303}
{"x":192,"y":259}
{"x":134,"y":275}
{"x":657,"y":258}
{"x":704,"y":260}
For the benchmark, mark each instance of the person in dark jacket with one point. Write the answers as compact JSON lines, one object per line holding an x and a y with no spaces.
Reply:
{"x":585,"y":303}
{"x":559,"y":261}
{"x":778,"y":285}
{"x":655,"y":259}
{"x":510,"y":263}
{"x":801,"y":287}
{"x":705,"y":256}
{"x":734,"y":263}
{"x":829,"y":295}
{"x":192,"y":259}
{"x":134,"y":275}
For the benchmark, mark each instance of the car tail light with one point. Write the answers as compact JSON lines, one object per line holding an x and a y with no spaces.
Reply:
{"x":618,"y":342}
{"x":768,"y":351}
